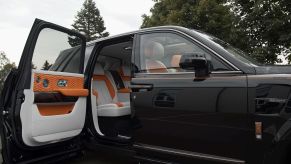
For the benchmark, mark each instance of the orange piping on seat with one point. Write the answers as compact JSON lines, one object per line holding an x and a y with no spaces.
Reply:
{"x":55,"y":109}
{"x":154,"y":66}
{"x":123,"y":76}
{"x":95,"y":93}
{"x":158,"y":70}
{"x":124,"y":90}
{"x":74,"y":92}
{"x":107,"y":82}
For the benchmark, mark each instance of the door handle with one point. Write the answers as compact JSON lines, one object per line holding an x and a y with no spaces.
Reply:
{"x":164,"y":100}
{"x":141,"y":87}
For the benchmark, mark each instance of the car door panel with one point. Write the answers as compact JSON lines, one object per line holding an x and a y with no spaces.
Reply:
{"x":52,"y":121}
{"x":183,"y":113}
{"x":207,"y":115}
{"x":44,"y":106}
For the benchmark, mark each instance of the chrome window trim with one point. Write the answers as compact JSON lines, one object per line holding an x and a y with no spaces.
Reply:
{"x":203,"y":45}
{"x":186,"y":73}
{"x":196,"y":155}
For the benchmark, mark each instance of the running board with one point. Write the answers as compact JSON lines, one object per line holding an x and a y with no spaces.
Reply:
{"x":190,"y":154}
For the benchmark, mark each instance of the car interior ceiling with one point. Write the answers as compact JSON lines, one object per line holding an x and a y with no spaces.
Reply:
{"x":110,"y":90}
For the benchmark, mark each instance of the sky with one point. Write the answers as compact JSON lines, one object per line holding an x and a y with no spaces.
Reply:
{"x":17,"y":16}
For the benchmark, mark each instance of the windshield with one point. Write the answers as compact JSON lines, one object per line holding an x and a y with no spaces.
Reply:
{"x":238,"y":54}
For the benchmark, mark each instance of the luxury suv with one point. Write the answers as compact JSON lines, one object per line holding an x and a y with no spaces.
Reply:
{"x":165,"y":94}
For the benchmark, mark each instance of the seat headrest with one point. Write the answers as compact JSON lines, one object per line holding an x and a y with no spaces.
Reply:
{"x":154,"y":50}
{"x":125,"y":70}
{"x":115,"y":66}
{"x":176,"y":61}
{"x":98,"y":70}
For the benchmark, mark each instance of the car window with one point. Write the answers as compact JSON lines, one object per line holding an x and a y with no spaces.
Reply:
{"x":57,"y":51}
{"x":88,"y":52}
{"x":161,"y":53}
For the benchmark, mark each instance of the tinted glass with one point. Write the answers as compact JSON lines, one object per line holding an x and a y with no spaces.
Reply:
{"x":161,"y":52}
{"x":57,"y":51}
{"x":237,"y":53}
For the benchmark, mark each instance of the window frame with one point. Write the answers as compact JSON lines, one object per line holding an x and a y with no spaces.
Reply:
{"x":66,"y":61}
{"x":211,"y":52}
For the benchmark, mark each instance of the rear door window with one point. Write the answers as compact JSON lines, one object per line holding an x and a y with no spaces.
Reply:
{"x":55,"y":51}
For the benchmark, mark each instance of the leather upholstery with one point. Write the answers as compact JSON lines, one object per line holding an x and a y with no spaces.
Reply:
{"x":108,"y":104}
{"x":125,"y":74}
{"x":176,"y":61}
{"x":155,"y":66}
{"x":154,"y":51}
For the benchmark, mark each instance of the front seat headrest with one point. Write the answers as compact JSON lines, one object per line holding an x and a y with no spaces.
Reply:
{"x":154,"y":51}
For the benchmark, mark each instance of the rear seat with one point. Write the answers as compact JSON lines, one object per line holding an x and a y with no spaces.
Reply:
{"x":105,"y":90}
{"x":124,"y":72}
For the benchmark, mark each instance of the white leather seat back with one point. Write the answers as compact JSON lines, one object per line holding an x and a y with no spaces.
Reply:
{"x":125,"y":74}
{"x":113,"y":86}
{"x":108,"y":103}
{"x":104,"y":96}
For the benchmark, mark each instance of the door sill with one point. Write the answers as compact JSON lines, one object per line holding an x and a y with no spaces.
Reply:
{"x":188,"y":154}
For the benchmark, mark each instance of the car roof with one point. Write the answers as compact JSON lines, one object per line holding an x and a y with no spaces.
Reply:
{"x":179,"y":28}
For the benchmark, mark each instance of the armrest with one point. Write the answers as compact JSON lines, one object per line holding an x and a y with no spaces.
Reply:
{"x":124,"y":90}
{"x":74,"y":92}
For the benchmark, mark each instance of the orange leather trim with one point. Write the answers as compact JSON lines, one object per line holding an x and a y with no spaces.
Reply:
{"x":176,"y":61}
{"x":124,"y":90}
{"x":121,"y":72}
{"x":154,"y":66}
{"x":124,"y":78}
{"x":119,"y":104}
{"x":95,"y":93}
{"x":55,"y":109}
{"x":74,"y":86}
{"x":158,"y":70}
{"x":107,"y":82}
{"x":74,"y":92}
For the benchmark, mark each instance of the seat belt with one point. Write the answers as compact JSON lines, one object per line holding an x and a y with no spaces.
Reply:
{"x":117,"y":80}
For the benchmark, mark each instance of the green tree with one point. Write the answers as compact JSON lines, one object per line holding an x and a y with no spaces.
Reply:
{"x":46,"y":65}
{"x":211,"y":16}
{"x":5,"y":67}
{"x":89,"y":22}
{"x":3,"y":60}
{"x":267,"y":23}
{"x":261,"y":28}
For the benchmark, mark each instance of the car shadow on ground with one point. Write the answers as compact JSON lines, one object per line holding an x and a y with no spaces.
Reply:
{"x":96,"y":157}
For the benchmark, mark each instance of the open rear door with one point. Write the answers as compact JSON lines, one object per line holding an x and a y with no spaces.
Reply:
{"x":43,"y":104}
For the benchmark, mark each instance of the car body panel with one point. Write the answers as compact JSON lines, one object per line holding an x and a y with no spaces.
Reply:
{"x":176,"y":117}
{"x":34,"y":126}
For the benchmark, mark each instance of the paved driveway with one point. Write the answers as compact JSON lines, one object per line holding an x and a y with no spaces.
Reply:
{"x":93,"y":158}
{"x":99,"y":158}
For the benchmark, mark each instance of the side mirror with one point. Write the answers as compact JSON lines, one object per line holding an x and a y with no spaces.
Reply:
{"x":196,"y":62}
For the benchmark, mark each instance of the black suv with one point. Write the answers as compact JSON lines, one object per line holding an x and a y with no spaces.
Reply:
{"x":165,"y":94}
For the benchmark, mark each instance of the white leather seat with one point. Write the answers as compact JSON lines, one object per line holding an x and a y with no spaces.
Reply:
{"x":103,"y":87}
{"x":154,"y":52}
{"x":125,"y":74}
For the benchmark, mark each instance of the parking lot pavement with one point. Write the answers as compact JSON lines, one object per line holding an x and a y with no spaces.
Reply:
{"x":95,"y":157}
{"x":100,"y":158}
